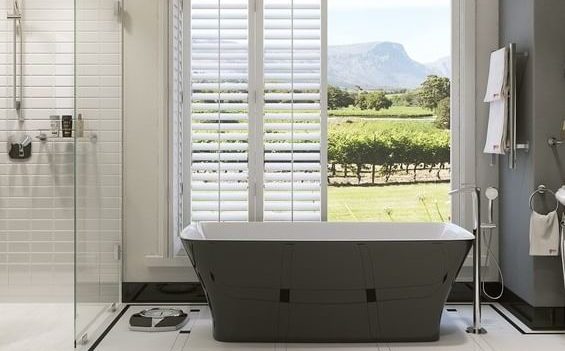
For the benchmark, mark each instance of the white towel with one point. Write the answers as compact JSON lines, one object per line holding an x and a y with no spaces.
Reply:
{"x":544,"y":234}
{"x":496,"y":96}
{"x":496,"y":131}
{"x":498,"y":71}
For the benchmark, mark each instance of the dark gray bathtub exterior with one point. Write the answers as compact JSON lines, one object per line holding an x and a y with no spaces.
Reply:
{"x":327,"y":291}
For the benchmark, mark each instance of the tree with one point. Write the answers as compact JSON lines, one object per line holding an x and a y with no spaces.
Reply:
{"x":338,"y":98}
{"x":433,"y":90}
{"x":408,"y":98}
{"x":376,"y":100}
{"x":379,"y":101}
{"x":443,"y":114}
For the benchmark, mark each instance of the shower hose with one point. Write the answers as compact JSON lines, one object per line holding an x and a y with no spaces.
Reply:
{"x":563,"y":248}
{"x":490,"y":255}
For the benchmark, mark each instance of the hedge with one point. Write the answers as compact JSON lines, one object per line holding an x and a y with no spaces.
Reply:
{"x":389,"y":150}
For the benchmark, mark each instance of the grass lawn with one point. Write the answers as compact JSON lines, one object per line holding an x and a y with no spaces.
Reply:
{"x":366,"y":204}
{"x":392,"y":112}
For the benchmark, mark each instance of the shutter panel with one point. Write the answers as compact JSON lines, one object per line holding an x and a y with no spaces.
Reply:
{"x":219,"y":110}
{"x":292,"y":115}
{"x":176,"y":33}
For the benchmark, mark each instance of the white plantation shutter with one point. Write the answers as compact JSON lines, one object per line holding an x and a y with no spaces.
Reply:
{"x":256,"y":114}
{"x":292,"y":118}
{"x":219,"y":110}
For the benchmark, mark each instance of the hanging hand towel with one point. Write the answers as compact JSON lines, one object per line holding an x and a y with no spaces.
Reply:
{"x":497,"y":73}
{"x":544,"y":234}
{"x":496,"y":132}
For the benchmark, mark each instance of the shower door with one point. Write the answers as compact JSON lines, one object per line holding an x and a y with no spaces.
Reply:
{"x":97,"y":128}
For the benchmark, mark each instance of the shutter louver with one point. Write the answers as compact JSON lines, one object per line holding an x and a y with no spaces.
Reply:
{"x":291,"y":112}
{"x":219,"y":110}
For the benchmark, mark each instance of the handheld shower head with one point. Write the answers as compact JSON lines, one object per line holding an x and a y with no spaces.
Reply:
{"x":560,"y":195}
{"x":491,"y":194}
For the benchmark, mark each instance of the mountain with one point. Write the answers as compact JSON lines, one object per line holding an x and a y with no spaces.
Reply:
{"x":378,"y":65}
{"x":441,"y":67}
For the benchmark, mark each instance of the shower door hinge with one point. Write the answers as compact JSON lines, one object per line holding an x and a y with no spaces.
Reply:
{"x":117,"y":252}
{"x":118,"y":9}
{"x":83,"y":340}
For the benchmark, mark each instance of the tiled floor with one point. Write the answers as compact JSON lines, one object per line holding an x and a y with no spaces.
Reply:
{"x":43,"y":326}
{"x":502,"y":336}
{"x":37,"y":327}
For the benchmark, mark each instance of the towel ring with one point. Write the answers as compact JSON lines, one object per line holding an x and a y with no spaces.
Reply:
{"x":542,"y":190}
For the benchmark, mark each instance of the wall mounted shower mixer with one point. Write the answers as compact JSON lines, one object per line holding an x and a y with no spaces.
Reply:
{"x":20,"y":149}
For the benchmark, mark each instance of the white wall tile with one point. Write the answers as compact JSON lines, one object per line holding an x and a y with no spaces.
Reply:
{"x":37,"y":238}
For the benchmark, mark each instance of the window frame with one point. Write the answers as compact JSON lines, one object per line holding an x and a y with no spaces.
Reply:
{"x":463,"y":145}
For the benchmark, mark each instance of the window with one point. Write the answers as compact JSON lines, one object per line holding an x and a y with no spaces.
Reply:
{"x":253,"y":128}
{"x":250,"y":141}
{"x":389,"y":70}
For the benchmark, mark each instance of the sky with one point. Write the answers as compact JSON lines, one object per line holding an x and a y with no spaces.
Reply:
{"x":422,"y":26}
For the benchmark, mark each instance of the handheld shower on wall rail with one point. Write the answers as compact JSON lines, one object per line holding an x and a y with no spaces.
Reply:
{"x":16,"y":17}
{"x":491,"y":194}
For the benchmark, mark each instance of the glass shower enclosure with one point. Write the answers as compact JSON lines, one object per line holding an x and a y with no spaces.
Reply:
{"x":98,"y":163}
{"x":60,"y":170}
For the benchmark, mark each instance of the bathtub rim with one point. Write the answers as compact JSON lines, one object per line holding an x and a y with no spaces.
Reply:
{"x":450,"y":232}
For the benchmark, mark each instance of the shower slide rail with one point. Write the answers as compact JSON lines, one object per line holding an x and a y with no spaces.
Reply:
{"x":16,"y":16}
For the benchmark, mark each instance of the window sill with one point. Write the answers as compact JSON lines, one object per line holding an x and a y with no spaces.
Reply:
{"x":160,"y":261}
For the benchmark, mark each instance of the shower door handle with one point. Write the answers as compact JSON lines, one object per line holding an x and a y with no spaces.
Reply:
{"x":117,"y":252}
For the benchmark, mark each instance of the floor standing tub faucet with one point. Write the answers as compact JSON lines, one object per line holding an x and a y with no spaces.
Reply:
{"x":476,"y":191}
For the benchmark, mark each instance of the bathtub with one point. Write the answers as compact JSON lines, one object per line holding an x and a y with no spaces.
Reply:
{"x":326,"y":282}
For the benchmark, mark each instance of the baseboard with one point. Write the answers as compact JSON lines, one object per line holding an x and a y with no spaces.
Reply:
{"x":164,"y":292}
{"x":536,"y":318}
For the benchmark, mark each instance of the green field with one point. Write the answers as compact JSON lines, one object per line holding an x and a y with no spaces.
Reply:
{"x":393,"y":112}
{"x":350,"y":203}
{"x":370,"y":126}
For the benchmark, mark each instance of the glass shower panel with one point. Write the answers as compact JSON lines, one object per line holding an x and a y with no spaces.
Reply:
{"x":97,"y":128}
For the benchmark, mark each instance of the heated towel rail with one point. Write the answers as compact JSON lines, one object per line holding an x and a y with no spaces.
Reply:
{"x":512,"y":145}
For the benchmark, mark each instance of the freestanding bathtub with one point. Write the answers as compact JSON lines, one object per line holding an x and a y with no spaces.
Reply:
{"x":326,"y":282}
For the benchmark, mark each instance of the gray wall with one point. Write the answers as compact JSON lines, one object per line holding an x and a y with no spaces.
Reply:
{"x":539,"y":28}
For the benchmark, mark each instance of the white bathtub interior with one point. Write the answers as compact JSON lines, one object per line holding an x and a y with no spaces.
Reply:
{"x":334,"y":231}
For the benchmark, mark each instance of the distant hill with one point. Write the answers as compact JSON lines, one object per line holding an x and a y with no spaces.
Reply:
{"x":441,"y":67}
{"x":379,"y":65}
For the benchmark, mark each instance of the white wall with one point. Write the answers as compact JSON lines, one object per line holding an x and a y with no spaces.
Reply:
{"x":146,"y":245}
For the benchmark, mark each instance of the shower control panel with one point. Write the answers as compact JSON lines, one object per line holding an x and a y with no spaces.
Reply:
{"x":21,"y":149}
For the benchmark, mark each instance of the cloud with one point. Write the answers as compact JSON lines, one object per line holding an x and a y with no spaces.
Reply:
{"x":356,"y":5}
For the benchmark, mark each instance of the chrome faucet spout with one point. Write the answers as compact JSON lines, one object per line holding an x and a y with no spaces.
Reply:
{"x":476,"y":191}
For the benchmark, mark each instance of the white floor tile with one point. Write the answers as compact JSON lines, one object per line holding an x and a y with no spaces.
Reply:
{"x":501,"y":336}
{"x":37,"y":327}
